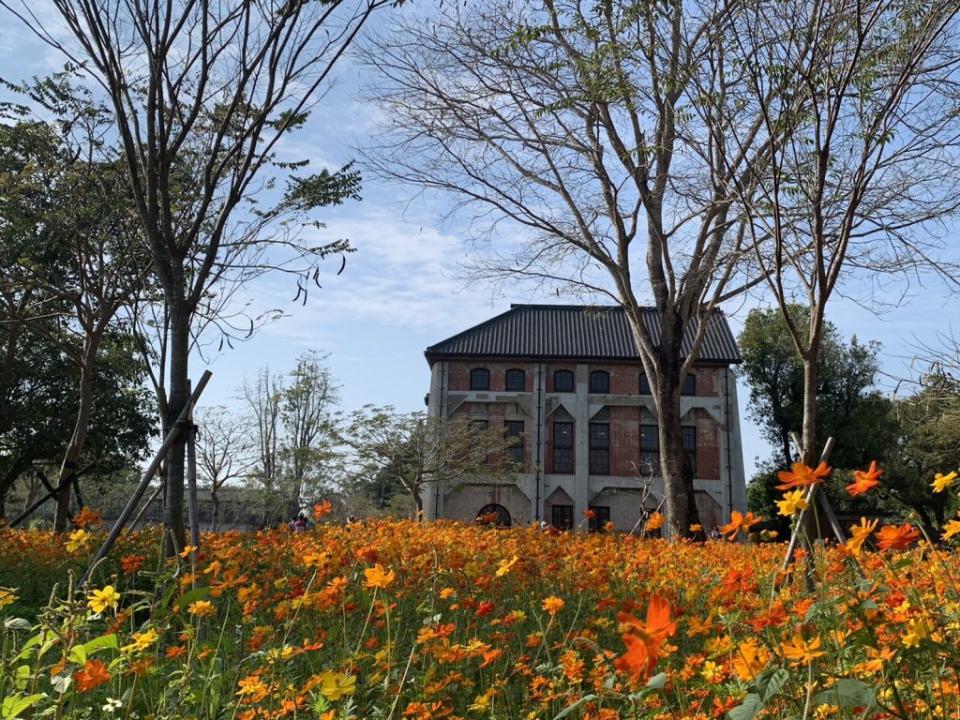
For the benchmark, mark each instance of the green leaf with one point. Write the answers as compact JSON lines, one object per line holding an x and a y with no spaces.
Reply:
{"x":200,"y":593}
{"x":748,"y":709}
{"x":570,"y":708}
{"x":770,"y":682}
{"x":849,"y":693}
{"x":104,"y":642}
{"x":15,"y":704}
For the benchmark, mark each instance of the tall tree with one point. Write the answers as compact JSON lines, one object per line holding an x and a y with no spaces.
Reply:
{"x":224,"y":453}
{"x":583,"y":129}
{"x":851,"y":408}
{"x":201,"y":94}
{"x":869,"y":162}
{"x":70,"y":196}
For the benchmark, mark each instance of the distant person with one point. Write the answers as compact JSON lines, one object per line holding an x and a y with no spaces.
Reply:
{"x":299,"y":524}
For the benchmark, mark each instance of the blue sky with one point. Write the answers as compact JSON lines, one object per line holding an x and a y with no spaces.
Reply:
{"x":405,"y":287}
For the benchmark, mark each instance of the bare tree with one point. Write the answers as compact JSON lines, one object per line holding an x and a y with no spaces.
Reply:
{"x":309,"y":425}
{"x":869,"y":166}
{"x":583,"y":130}
{"x":412,"y":450}
{"x":223,"y":453}
{"x":201,"y":94}
{"x":264,"y":400}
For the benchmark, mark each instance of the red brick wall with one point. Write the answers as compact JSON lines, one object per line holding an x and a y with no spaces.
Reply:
{"x":458,"y":374}
{"x":624,"y":439}
{"x":496,"y":417}
{"x":708,"y":447}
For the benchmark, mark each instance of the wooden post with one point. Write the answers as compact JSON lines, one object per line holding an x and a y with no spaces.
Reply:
{"x":801,"y":517}
{"x":148,"y":503}
{"x":193,"y":508}
{"x":147,"y":477}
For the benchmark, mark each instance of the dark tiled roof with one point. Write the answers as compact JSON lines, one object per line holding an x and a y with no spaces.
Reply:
{"x":574,"y":331}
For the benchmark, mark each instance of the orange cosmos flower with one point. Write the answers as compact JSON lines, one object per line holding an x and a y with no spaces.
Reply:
{"x":801,"y":650}
{"x":644,"y":639}
{"x":860,"y":533}
{"x":321,"y":509}
{"x":378,"y":577}
{"x":749,"y":660}
{"x":893,"y":537}
{"x":91,"y":676}
{"x":654,"y":522}
{"x":201,"y":608}
{"x":87,"y":518}
{"x":864,"y":481}
{"x":131,"y":563}
{"x":738,"y":522}
{"x":802,"y":476}
{"x":552,"y":605}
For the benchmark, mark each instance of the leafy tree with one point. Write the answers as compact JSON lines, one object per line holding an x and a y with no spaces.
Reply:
{"x":201,"y":95}
{"x":71,"y":220}
{"x":413,"y":451}
{"x":849,"y":407}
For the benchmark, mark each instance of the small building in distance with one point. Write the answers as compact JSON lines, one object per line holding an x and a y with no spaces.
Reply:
{"x":567,"y":382}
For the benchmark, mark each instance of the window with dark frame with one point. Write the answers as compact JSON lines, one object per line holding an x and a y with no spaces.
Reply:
{"x":513,"y":429}
{"x":516,"y":380}
{"x":644,"y":385}
{"x":561,"y":517}
{"x":600,"y":517}
{"x":689,"y":385}
{"x":599,"y":448}
{"x":563,"y":447}
{"x":479,"y":379}
{"x":599,"y":381}
{"x":649,"y":450}
{"x":563,"y":381}
{"x":689,"y":436}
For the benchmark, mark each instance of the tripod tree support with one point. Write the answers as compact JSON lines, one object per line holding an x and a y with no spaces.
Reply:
{"x":52,"y":492}
{"x":812,"y":498}
{"x":193,"y":506}
{"x":179,"y":425}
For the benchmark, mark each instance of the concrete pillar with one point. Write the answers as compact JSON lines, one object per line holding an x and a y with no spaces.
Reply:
{"x":581,"y":444}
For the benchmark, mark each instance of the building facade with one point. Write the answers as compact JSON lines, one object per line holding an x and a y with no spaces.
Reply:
{"x":567,"y":384}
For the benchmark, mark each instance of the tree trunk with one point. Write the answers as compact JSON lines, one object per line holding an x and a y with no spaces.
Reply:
{"x":215,"y":511}
{"x":175,"y":536}
{"x":674,"y":468}
{"x":71,"y":456}
{"x":810,"y":381}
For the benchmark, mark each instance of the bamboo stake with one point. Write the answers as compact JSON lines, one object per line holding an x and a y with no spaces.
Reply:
{"x":147,"y":477}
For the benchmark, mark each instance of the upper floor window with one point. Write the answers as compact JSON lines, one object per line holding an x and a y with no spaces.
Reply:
{"x":599,"y":381}
{"x":479,"y":379}
{"x":563,"y":381}
{"x":516,"y":380}
{"x":689,"y":385}
{"x":649,"y":450}
{"x":644,"y":385}
{"x":513,"y":429}
{"x":599,"y":448}
{"x":689,"y":433}
{"x":563,"y":447}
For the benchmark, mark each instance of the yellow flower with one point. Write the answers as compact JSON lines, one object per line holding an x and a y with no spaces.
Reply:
{"x":950,"y":529}
{"x":860,"y":534}
{"x":942,"y":482}
{"x":78,"y":540}
{"x":712,"y":672}
{"x":655,"y":522}
{"x":749,"y":659}
{"x":201,"y":608}
{"x":917,"y":630}
{"x":7,"y":597}
{"x":553,"y":605}
{"x":378,"y":577}
{"x":142,"y":641}
{"x":334,"y":686}
{"x":100,"y":600}
{"x":505,"y":566}
{"x":185,"y":553}
{"x":792,"y":503}
{"x":801,"y":650}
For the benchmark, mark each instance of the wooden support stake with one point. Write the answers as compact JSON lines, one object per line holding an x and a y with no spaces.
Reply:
{"x":147,"y":477}
{"x":801,"y":517}
{"x":193,"y":507}
{"x":148,"y":503}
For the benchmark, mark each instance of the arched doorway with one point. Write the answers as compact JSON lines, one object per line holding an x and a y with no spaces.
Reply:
{"x":494,"y":514}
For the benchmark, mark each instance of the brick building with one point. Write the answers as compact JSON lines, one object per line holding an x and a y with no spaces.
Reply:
{"x":567,"y":383}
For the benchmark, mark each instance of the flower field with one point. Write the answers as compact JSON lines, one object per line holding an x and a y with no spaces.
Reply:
{"x":392,"y":619}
